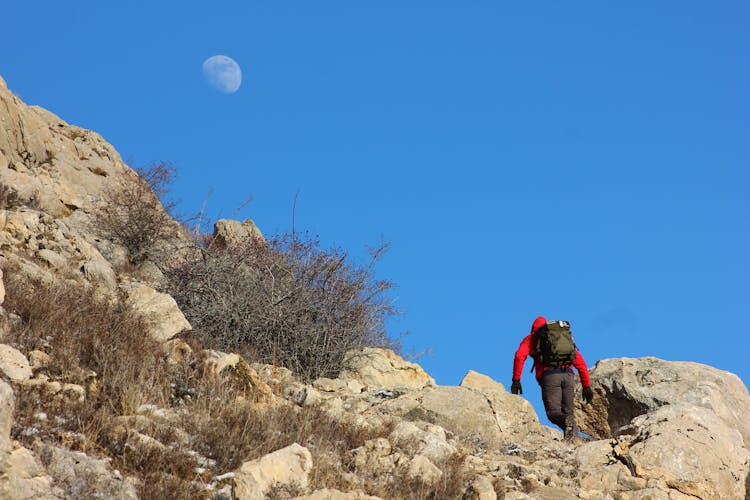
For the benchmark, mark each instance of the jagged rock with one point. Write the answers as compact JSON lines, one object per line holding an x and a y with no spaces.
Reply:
{"x":21,"y":474}
{"x":693,"y":449}
{"x":13,"y":364}
{"x":50,"y":164}
{"x":279,"y":379}
{"x":481,"y":488}
{"x":420,"y":467}
{"x":628,"y":387}
{"x":52,"y":259}
{"x":2,"y":288}
{"x":99,"y":272}
{"x":81,"y":476}
{"x":331,"y":494}
{"x":382,"y":368}
{"x":22,"y":477}
{"x":287,"y":466}
{"x":233,"y":368}
{"x":599,"y":468}
{"x":432,"y":444}
{"x":514,"y":416}
{"x":164,"y":318}
{"x":228,"y":233}
{"x":460,"y":410}
{"x":376,"y":456}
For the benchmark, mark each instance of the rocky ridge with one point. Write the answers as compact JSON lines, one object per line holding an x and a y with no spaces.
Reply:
{"x":658,"y":429}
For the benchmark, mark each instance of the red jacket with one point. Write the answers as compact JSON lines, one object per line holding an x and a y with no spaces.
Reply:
{"x":525,"y":349}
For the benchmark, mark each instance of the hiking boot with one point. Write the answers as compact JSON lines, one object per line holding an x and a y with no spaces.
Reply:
{"x":571,"y":428}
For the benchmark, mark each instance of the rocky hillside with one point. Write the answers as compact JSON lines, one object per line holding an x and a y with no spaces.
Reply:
{"x":104,"y":393}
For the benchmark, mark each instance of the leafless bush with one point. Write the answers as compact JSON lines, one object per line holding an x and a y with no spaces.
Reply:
{"x":288,"y":301}
{"x":136,"y":213}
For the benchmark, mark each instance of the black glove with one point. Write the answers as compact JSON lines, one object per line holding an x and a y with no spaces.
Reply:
{"x":515,"y":387}
{"x":588,"y":395}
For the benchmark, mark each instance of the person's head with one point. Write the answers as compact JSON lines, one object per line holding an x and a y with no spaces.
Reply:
{"x":538,"y":322}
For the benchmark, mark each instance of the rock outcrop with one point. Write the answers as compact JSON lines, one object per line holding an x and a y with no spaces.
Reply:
{"x":13,"y":364}
{"x":230,"y":233}
{"x":627,"y":388}
{"x":680,"y":425}
{"x":287,"y":466}
{"x":383,"y":369}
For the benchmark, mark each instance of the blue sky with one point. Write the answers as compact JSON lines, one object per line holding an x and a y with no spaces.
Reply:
{"x":586,"y":161}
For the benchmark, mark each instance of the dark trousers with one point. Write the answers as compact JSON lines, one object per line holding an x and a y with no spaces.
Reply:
{"x":558,"y":391}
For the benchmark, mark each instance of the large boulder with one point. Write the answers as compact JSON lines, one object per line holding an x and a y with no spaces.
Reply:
{"x":230,"y":233}
{"x":384,"y":369}
{"x":81,"y":476}
{"x":163,"y":317}
{"x":13,"y":364}
{"x":288,"y":466}
{"x":514,"y":415}
{"x":628,"y":387}
{"x":23,"y":477}
{"x":478,"y":408}
{"x":693,"y":450}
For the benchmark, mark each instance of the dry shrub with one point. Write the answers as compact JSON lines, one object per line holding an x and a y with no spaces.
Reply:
{"x":135,"y":213}
{"x":82,"y":331}
{"x":288,"y":301}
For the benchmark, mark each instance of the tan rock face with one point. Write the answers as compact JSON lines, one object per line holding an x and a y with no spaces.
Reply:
{"x":480,"y":407}
{"x":13,"y":364}
{"x":58,"y":167}
{"x":228,"y":233}
{"x":629,"y":387}
{"x":287,"y":466}
{"x":382,"y":368}
{"x":236,"y":371}
{"x":81,"y":476}
{"x":693,"y":449}
{"x":22,"y":476}
{"x":432,"y":445}
{"x":165,"y":320}
{"x":515,"y":417}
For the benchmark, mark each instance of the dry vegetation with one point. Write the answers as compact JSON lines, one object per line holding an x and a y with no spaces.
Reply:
{"x":136,"y":213}
{"x":286,"y":301}
{"x":217,"y":429}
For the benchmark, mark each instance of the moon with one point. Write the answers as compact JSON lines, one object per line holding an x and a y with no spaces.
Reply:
{"x":223,"y":73}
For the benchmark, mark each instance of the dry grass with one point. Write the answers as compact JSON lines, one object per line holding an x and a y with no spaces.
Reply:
{"x":84,"y":332}
{"x":223,"y":424}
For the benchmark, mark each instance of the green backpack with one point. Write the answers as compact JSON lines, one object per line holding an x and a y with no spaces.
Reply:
{"x":554,"y":344}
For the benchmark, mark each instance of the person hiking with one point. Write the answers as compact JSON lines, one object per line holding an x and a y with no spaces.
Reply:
{"x":554,"y":355}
